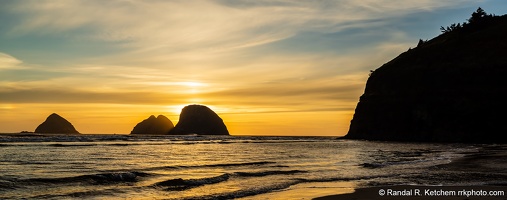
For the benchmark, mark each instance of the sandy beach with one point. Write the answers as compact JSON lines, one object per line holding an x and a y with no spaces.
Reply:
{"x":492,"y":163}
{"x":423,"y":192}
{"x":308,"y":191}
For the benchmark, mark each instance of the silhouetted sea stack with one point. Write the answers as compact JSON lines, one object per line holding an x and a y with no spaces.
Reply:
{"x":56,"y":124}
{"x":160,"y":125}
{"x":448,"y":89}
{"x":199,"y":119}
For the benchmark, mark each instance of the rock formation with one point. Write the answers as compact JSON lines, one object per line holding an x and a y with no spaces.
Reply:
{"x":199,"y":119}
{"x":56,"y":124}
{"x":154,"y":126}
{"x":448,"y":89}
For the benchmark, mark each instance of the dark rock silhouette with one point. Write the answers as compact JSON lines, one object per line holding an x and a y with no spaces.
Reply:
{"x":199,"y":119}
{"x":449,"y":89}
{"x":154,"y":126}
{"x":56,"y":124}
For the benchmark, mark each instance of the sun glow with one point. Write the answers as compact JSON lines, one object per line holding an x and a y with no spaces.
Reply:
{"x":189,"y":87}
{"x":181,"y":83}
{"x":183,"y":87}
{"x":175,"y":109}
{"x":7,"y":106}
{"x":191,"y":84}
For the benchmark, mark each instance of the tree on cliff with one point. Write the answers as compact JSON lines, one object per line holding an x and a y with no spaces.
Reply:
{"x":476,"y":20}
{"x":450,"y":28}
{"x":449,"y":89}
{"x":478,"y":15}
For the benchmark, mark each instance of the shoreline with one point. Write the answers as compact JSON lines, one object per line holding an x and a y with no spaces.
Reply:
{"x":423,"y":192}
{"x":309,"y":190}
{"x":493,"y":162}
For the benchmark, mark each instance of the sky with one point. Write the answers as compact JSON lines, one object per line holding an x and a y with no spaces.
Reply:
{"x":277,"y":67}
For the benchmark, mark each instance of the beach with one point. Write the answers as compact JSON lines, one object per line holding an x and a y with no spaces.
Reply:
{"x":487,"y":163}
{"x":423,"y":192}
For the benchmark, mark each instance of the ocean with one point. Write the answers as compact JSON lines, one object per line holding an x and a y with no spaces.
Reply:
{"x":229,"y":167}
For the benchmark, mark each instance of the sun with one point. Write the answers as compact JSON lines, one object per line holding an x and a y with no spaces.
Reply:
{"x":191,"y":84}
{"x":191,"y":87}
{"x":176,"y":109}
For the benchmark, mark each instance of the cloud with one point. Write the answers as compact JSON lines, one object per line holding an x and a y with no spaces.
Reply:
{"x":9,"y":62}
{"x":206,"y":25}
{"x":41,"y":95}
{"x":179,"y":38}
{"x":281,"y":95}
{"x":296,"y":91}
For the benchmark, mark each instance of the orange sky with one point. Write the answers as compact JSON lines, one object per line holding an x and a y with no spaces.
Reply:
{"x":266,"y":67}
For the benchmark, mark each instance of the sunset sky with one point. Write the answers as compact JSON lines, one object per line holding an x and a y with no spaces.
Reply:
{"x":278,"y":67}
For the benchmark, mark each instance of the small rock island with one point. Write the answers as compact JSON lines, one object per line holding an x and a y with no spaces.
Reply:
{"x":160,"y":125}
{"x":55,"y":124}
{"x":448,"y":89}
{"x":201,"y":120}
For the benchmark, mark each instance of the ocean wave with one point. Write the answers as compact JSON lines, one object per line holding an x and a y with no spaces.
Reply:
{"x":120,"y":144}
{"x":372,"y":165}
{"x":280,"y":166}
{"x":71,"y":145}
{"x":333,"y":179}
{"x":375,"y":165}
{"x":62,"y":138}
{"x":80,"y":194}
{"x":210,"y":165}
{"x":26,"y":162}
{"x":239,"y":164}
{"x":182,"y":184}
{"x":268,"y":173}
{"x":103,"y":178}
{"x":383,"y":159}
{"x":146,"y":138}
{"x":134,"y":143}
{"x":248,"y":192}
{"x":278,"y":186}
{"x":6,"y":184}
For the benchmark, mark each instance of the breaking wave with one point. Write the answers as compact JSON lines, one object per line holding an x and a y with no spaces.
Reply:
{"x":103,"y":178}
{"x":182,"y":184}
{"x":267,"y":173}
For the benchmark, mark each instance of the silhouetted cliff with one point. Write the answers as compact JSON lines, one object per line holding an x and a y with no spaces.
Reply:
{"x":56,"y":124}
{"x":449,"y":89}
{"x":199,"y":119}
{"x":154,"y":126}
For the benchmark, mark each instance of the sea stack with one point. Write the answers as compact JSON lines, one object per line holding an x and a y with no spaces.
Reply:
{"x":160,"y":125}
{"x":201,"y":120}
{"x":56,"y":124}
{"x":448,"y":89}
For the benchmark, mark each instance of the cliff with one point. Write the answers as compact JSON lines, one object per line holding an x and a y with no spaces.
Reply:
{"x":199,"y":119}
{"x":154,"y":126}
{"x":56,"y":124}
{"x":448,"y":89}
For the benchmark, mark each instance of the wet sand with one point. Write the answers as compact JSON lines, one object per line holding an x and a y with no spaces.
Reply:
{"x":484,"y":167}
{"x":424,"y":192}
{"x":307,"y":191}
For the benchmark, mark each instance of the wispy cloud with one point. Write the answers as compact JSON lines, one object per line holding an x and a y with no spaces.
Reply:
{"x":9,"y":62}
{"x":203,"y":24}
